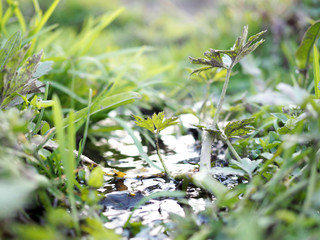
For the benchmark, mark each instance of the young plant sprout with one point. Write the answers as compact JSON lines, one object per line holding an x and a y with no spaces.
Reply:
{"x":214,"y":59}
{"x":156,"y":124}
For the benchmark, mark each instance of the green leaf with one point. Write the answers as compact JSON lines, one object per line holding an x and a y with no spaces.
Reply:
{"x":239,"y":128}
{"x":10,"y":48}
{"x":211,"y":129}
{"x":303,"y":52}
{"x":42,"y":69}
{"x":247,"y":165}
{"x":20,"y":81}
{"x":212,"y":59}
{"x":11,"y":68}
{"x":199,"y":70}
{"x":161,"y":123}
{"x":241,"y":48}
{"x":281,"y":116}
{"x":104,"y":103}
{"x":144,"y":123}
{"x":316,"y":71}
{"x":157,"y":121}
{"x":67,"y":91}
{"x":45,"y":127}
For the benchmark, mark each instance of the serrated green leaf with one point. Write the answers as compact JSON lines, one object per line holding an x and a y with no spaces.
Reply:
{"x":10,"y":48}
{"x":241,"y":41}
{"x":199,"y":70}
{"x":247,"y":165}
{"x":11,"y":67}
{"x":158,"y":119}
{"x":239,"y":128}
{"x":247,"y":50}
{"x":212,"y":59}
{"x":22,"y":81}
{"x":254,"y":37}
{"x":309,"y":38}
{"x":144,"y":123}
{"x":168,"y":122}
{"x":241,"y":48}
{"x":203,"y":127}
{"x":161,"y":123}
{"x":27,"y":70}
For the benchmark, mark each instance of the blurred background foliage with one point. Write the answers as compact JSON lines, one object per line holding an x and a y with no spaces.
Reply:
{"x":175,"y":30}
{"x":142,"y":46}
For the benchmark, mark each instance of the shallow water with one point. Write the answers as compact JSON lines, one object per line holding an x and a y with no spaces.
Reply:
{"x":122,"y":194}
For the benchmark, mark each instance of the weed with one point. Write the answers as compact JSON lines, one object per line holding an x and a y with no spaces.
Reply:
{"x":214,"y":59}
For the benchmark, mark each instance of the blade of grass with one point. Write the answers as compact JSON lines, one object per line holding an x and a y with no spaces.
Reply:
{"x":105,"y":103}
{"x":21,"y":19}
{"x":137,"y":143}
{"x":122,"y":52}
{"x":45,"y":17}
{"x":66,"y":147}
{"x":69,"y":166}
{"x":43,"y":31}
{"x":90,"y":35}
{"x":1,"y":11}
{"x":8,"y":13}
{"x":67,"y":91}
{"x":85,"y":133}
{"x":124,"y":70}
{"x":316,"y":71}
{"x":36,"y":6}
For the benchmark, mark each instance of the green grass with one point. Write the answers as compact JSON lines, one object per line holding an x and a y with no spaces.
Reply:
{"x":54,"y":92}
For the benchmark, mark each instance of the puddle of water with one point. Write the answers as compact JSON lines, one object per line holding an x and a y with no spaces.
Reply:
{"x":122,"y":194}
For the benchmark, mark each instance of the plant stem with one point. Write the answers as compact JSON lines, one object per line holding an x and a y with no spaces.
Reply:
{"x":160,"y":157}
{"x":223,"y":94}
{"x":234,"y":152}
{"x":205,"y":157}
{"x":207,"y":137}
{"x":204,"y":104}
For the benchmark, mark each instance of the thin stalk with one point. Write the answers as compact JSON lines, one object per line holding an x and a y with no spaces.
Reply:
{"x":85,"y":134}
{"x":160,"y":157}
{"x":1,"y":11}
{"x":223,"y":94}
{"x":234,"y":152}
{"x":204,"y":104}
{"x":316,"y":71}
{"x":72,"y":82}
{"x":208,"y":138}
